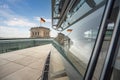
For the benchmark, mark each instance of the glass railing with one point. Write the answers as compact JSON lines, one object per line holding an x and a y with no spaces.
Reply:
{"x":7,"y":45}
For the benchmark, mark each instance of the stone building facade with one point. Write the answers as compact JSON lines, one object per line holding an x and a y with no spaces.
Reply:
{"x":60,"y":38}
{"x":39,"y":32}
{"x":64,"y":40}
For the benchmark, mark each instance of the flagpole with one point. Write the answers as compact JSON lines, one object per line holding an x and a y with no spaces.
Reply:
{"x":40,"y":23}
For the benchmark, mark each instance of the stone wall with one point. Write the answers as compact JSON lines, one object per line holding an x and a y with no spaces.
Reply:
{"x":39,"y":32}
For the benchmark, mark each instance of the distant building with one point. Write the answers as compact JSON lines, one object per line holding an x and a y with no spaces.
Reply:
{"x":60,"y":38}
{"x":39,"y":32}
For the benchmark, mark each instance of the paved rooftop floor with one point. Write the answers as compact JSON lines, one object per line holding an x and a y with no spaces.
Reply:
{"x":25,"y":64}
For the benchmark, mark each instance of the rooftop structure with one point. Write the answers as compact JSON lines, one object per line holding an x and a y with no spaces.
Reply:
{"x":40,"y":32}
{"x":27,"y":52}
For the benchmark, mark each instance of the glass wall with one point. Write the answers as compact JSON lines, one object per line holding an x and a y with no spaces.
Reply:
{"x":82,"y":37}
{"x":106,"y":43}
{"x":116,"y":69}
{"x":79,"y":29}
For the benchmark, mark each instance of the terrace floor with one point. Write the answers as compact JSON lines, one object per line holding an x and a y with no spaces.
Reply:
{"x":25,"y":64}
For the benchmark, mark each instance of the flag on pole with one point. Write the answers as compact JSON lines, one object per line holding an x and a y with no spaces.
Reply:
{"x":69,"y":30}
{"x":42,"y":20}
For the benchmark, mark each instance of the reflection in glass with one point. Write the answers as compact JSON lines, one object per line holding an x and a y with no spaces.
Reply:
{"x":116,"y":70}
{"x":82,"y":40}
{"x":80,"y":9}
{"x":83,"y":20}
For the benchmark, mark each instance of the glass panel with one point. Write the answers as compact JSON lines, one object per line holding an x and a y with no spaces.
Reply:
{"x":83,"y":8}
{"x":116,"y":66}
{"x":79,"y":30}
{"x":116,"y":70}
{"x":103,"y":52}
{"x":16,"y":44}
{"x":98,"y":1}
{"x":55,"y":21}
{"x":80,"y":39}
{"x":106,"y":43}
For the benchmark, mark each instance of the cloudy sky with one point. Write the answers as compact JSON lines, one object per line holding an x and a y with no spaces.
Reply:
{"x":18,"y":16}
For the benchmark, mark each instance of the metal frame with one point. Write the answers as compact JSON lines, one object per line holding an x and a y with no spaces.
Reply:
{"x":86,"y":14}
{"x":99,"y":42}
{"x":107,"y":68}
{"x":62,"y":17}
{"x":100,"y":38}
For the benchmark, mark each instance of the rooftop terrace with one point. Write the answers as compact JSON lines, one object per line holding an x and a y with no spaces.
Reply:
{"x":24,"y":64}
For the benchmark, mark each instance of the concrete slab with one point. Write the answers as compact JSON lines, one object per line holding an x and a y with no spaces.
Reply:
{"x":57,"y":68}
{"x":6,"y":55}
{"x":56,"y":61}
{"x":9,"y":68}
{"x":37,"y":65}
{"x":15,"y":57}
{"x":62,"y":78}
{"x":25,"y":64}
{"x":23,"y":74}
{"x":3,"y":61}
{"x":26,"y":61}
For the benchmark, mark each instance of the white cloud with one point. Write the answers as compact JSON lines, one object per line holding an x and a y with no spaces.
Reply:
{"x":12,"y":19}
{"x":38,"y":19}
{"x":6,"y":13}
{"x":13,"y":22}
{"x":20,"y":22}
{"x":48,"y":20}
{"x":10,"y":32}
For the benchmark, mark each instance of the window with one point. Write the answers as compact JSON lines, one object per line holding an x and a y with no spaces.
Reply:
{"x":83,"y":35}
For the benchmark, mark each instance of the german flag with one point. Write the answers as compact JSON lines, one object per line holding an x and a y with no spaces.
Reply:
{"x":69,"y":30}
{"x":42,"y":20}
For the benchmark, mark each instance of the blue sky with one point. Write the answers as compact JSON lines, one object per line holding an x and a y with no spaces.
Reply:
{"x":18,"y":16}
